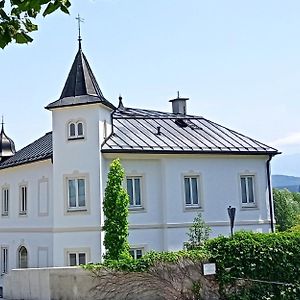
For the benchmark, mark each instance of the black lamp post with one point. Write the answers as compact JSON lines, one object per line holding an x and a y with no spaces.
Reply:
{"x":231,"y":214}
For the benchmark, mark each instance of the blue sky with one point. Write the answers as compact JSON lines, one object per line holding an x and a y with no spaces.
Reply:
{"x":237,"y":61}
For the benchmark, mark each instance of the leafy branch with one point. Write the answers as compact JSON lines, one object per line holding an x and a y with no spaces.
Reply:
{"x":17,"y":16}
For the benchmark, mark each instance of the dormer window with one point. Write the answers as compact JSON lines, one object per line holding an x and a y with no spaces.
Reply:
{"x":75,"y":130}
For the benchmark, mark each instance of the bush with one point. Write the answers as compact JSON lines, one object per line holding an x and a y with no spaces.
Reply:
{"x":267,"y":257}
{"x":149,"y":260}
{"x":198,"y":234}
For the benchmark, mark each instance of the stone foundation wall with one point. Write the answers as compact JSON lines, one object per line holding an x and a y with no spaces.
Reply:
{"x":164,"y":282}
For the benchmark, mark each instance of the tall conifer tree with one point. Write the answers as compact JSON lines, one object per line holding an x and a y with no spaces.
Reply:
{"x":115,"y":206}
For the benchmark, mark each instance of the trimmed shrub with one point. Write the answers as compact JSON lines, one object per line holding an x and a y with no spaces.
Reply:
{"x":256,"y":256}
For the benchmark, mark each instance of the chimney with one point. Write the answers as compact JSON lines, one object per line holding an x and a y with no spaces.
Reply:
{"x":179,"y":105}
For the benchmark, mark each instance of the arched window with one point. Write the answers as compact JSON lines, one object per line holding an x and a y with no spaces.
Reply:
{"x":23,"y":258}
{"x":72,"y":132}
{"x":75,"y":130}
{"x":79,"y":129}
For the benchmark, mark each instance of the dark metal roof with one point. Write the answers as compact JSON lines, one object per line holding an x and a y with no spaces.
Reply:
{"x":38,"y":150}
{"x":149,"y":131}
{"x":81,"y":86}
{"x":7,"y":146}
{"x":138,"y":130}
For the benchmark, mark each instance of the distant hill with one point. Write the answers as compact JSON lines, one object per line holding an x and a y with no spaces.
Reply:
{"x":291,"y":183}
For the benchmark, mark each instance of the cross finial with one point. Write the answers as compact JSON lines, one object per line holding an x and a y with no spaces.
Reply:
{"x":80,"y":20}
{"x":178,"y":94}
{"x":2,"y":123}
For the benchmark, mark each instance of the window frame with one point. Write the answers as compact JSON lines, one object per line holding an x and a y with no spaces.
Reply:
{"x":79,"y":209}
{"x":133,"y":177}
{"x":5,"y":195}
{"x":76,"y":135}
{"x":248,"y":204}
{"x":77,"y":252}
{"x":134,"y":250}
{"x":19,"y":257}
{"x":4,"y":260}
{"x":77,"y":194}
{"x":23,"y":201}
{"x":192,"y":205}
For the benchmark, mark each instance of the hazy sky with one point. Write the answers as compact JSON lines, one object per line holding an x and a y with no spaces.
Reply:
{"x":237,"y":61}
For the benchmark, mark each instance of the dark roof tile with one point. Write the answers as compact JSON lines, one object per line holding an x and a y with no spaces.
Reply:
{"x":38,"y":150}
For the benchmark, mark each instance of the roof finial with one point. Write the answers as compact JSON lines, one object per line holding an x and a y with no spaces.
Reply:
{"x":121,"y":105}
{"x":178,"y":94}
{"x":80,"y":20}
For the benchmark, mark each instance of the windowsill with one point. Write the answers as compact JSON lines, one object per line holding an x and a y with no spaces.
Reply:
{"x":76,"y":138}
{"x":195,"y":207}
{"x":250,"y":207}
{"x":23,"y":214}
{"x":4,"y":215}
{"x":76,"y":211}
{"x":136,"y":209}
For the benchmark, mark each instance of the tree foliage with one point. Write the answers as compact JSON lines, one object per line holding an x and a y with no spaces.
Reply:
{"x":16,"y":18}
{"x":115,"y":207}
{"x":198,"y":234}
{"x":287,"y":209}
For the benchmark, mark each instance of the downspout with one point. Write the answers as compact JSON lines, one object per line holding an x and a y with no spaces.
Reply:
{"x":270,"y":192}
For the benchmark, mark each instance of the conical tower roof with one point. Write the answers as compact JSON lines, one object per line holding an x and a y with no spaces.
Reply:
{"x":7,"y":146}
{"x":81,"y":86}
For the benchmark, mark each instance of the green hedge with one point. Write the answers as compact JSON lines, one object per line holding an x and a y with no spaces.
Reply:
{"x":150,"y":259}
{"x":269,"y":257}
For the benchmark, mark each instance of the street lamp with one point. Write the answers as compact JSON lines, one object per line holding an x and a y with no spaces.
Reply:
{"x":231,"y":214}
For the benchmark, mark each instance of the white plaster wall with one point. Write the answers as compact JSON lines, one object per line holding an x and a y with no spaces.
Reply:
{"x":75,"y":157}
{"x":33,"y":241}
{"x":220,"y":178}
{"x":87,"y":240}
{"x":29,"y":174}
{"x":163,"y":193}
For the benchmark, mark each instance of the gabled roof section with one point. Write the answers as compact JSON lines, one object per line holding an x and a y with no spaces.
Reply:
{"x":148,"y":131}
{"x":81,"y":86}
{"x":38,"y":150}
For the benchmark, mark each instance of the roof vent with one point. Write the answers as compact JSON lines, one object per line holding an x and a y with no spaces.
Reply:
{"x":158,"y":130}
{"x":181,"y":123}
{"x":179,"y":105}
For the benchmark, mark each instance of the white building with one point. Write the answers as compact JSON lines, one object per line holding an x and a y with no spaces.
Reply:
{"x":177,"y":165}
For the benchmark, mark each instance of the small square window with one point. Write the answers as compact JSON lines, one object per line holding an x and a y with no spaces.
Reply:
{"x":134,"y":190}
{"x":191,"y":191}
{"x":77,"y":258}
{"x":136,"y":253}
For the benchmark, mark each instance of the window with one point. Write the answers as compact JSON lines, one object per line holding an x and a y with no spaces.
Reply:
{"x":77,"y":258}
{"x":4,"y":260}
{"x":76,"y":193}
{"x":136,"y":252}
{"x":134,"y":191}
{"x":5,"y":201}
{"x":76,"y":130}
{"x":191,"y":191}
{"x":23,"y":258}
{"x":247,"y":188}
{"x":23,"y":200}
